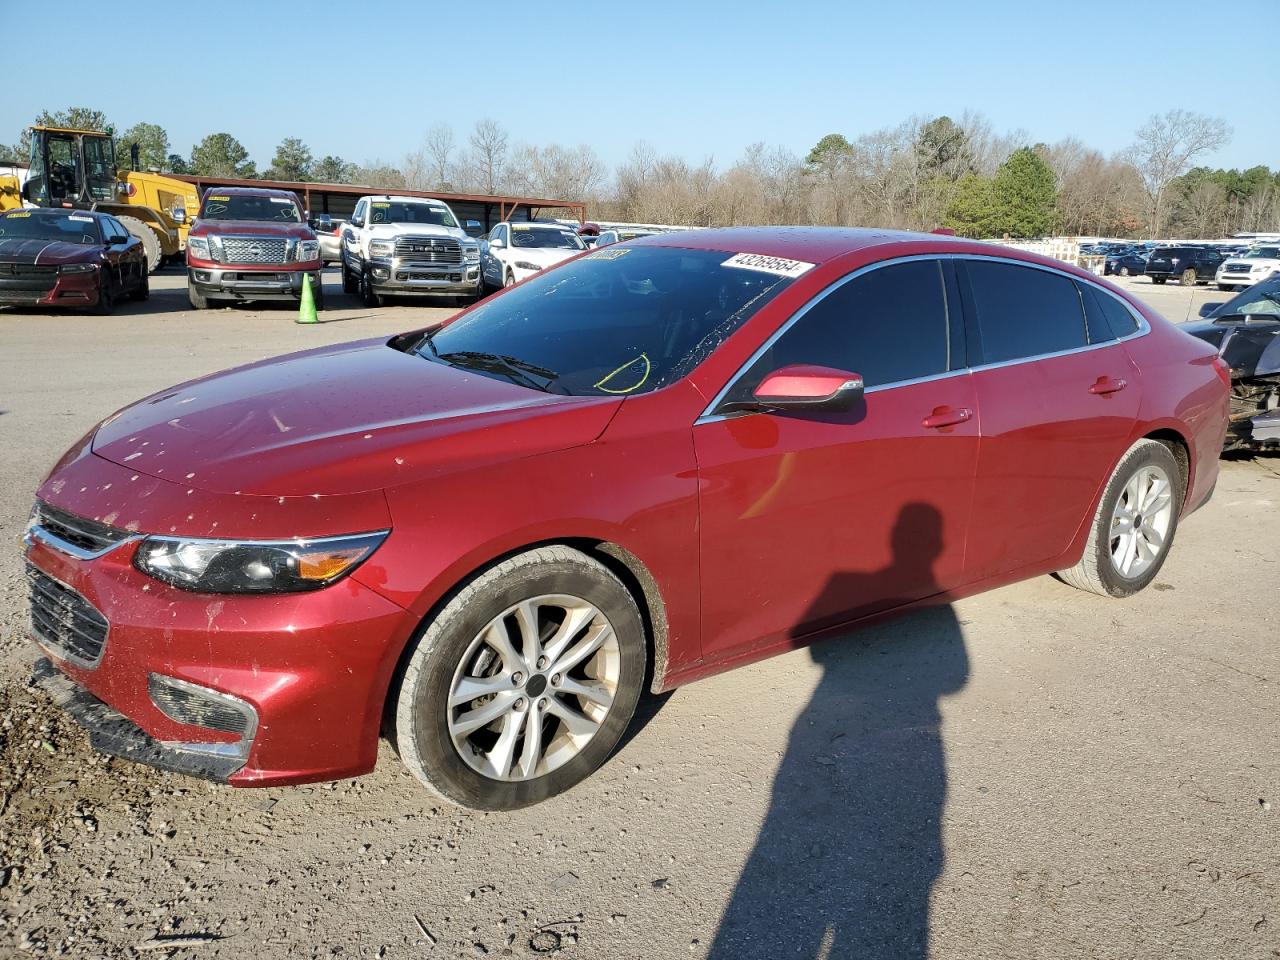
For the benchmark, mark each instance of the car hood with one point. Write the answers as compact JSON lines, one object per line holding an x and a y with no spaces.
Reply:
{"x":542,"y":256}
{"x":251,"y":228}
{"x":1252,"y":261}
{"x":388,"y":231}
{"x":338,"y":420}
{"x":46,"y":252}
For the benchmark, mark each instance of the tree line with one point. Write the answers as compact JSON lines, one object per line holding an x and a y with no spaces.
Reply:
{"x":921,"y":174}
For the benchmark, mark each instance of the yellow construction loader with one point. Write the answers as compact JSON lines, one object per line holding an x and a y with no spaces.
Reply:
{"x":77,"y":168}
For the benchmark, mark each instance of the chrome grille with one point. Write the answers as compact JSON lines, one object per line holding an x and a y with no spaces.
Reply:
{"x":254,"y":250}
{"x":87,"y":535}
{"x":1236,"y":268}
{"x":424,"y":250}
{"x":64,"y":622}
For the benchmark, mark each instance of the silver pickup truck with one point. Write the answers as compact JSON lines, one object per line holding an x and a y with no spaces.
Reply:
{"x":407,"y":246}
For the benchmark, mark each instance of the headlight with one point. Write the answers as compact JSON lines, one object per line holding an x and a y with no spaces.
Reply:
{"x":308,"y":250}
{"x":382,"y":248}
{"x":78,"y":268}
{"x":254,"y":566}
{"x":472,"y":254}
{"x":526,"y":265}
{"x":201,"y":248}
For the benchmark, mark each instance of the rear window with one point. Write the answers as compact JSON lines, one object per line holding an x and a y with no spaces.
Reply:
{"x":1024,"y":312}
{"x":1173,"y":252}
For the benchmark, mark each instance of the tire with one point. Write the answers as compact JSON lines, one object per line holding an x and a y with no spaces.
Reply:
{"x":143,"y":290}
{"x":1123,"y":271}
{"x":349,"y":284}
{"x":1159,"y":280}
{"x":368,"y":296}
{"x":150,"y":242}
{"x":198,"y":300}
{"x":106,"y":295}
{"x":454,"y":639}
{"x":317,"y":294}
{"x":1224,"y":287}
{"x":1098,"y":570}
{"x":1188,"y":277}
{"x":508,"y":279}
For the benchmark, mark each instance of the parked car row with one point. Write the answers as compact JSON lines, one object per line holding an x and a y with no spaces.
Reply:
{"x":1230,"y":267}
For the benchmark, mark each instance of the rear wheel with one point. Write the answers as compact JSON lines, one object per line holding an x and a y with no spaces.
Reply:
{"x":522,"y":685}
{"x":1188,"y":277}
{"x":150,"y":242}
{"x":1134,"y":526}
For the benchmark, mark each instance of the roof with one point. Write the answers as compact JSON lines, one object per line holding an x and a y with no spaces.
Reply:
{"x":365,"y":190}
{"x":397,"y":198}
{"x":810,"y":244}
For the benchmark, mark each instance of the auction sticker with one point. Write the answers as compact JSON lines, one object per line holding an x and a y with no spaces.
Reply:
{"x":81,"y":219}
{"x":607,"y":254}
{"x":780,"y":266}
{"x":221,"y":199}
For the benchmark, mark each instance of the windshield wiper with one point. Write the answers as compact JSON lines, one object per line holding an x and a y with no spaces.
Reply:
{"x":519,"y":371}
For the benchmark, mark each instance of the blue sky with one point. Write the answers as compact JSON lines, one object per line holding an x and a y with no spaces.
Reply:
{"x":695,"y":79}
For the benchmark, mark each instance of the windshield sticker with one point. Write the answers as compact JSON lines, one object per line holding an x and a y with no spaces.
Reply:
{"x":607,"y":254}
{"x":519,"y":226}
{"x":221,"y":199}
{"x":642,"y":371}
{"x":18,"y":216}
{"x":279,"y":200}
{"x":81,"y":219}
{"x":780,"y":266}
{"x":382,"y":204}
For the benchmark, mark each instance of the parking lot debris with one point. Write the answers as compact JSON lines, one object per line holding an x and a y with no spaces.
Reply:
{"x":307,"y":303}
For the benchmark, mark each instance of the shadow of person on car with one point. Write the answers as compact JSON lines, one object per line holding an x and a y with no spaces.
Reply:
{"x":852,"y":843}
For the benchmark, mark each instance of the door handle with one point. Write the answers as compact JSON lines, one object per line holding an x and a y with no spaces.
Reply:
{"x":1105,"y":385}
{"x":946,"y":417}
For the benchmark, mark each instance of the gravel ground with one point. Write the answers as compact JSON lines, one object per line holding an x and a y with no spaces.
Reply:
{"x":1032,"y":772}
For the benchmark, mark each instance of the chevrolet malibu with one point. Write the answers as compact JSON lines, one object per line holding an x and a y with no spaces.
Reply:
{"x":652,"y":463}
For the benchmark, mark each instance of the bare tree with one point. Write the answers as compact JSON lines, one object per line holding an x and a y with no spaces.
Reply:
{"x":437,"y":147}
{"x":488,"y":155}
{"x":1165,"y":146}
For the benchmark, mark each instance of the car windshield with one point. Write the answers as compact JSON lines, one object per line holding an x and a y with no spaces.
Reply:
{"x":555,"y":237}
{"x":616,"y":321}
{"x":33,"y":225}
{"x":234,"y":206}
{"x":394,"y":211}
{"x":1264,"y":253}
{"x":1261,"y":300}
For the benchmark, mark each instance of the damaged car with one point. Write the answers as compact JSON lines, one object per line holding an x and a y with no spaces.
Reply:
{"x":1246,"y":332}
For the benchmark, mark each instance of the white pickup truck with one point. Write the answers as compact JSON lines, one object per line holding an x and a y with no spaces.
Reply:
{"x":407,"y":246}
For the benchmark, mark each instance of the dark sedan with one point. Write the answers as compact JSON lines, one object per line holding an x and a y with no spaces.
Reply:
{"x":69,"y":258}
{"x":1129,"y":264}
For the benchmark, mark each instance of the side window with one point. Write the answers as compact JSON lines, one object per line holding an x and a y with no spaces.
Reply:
{"x":1023,"y":311}
{"x":1120,"y":319}
{"x":1095,"y":320}
{"x":888,"y":325}
{"x":357,"y":218}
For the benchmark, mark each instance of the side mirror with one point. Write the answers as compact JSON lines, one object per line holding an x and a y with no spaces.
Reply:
{"x":806,"y":387}
{"x":325,"y":223}
{"x":179,"y":215}
{"x":120,"y":241}
{"x":473,"y":228}
{"x":1208,"y":308}
{"x":497,"y":244}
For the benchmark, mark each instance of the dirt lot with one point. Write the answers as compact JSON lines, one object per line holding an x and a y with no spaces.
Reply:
{"x":1035,"y":772}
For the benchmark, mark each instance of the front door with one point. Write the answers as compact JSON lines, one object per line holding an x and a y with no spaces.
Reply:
{"x":811,"y":520}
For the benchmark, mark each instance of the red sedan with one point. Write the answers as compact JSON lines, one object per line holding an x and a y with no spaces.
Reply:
{"x":660,"y":459}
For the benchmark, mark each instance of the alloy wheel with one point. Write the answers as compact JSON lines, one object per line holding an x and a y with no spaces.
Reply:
{"x":1140,"y":522}
{"x":533,"y":687}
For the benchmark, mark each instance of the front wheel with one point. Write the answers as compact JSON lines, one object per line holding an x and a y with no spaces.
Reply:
{"x":349,"y":283}
{"x":143,"y":290}
{"x":106,"y":295}
{"x":522,"y":685}
{"x":509,"y":280}
{"x":198,"y":300}
{"x":1225,"y":287}
{"x":1124,"y":271}
{"x":1159,"y":280}
{"x":369,"y":296}
{"x":1134,"y":526}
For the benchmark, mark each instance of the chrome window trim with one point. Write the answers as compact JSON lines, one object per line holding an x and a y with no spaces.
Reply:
{"x":1144,"y":327}
{"x":66,"y":656}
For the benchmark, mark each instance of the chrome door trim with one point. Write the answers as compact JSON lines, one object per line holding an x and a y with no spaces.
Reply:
{"x":1144,"y":327}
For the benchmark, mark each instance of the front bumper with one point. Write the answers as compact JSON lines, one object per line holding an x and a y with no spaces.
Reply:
{"x":238,"y":283}
{"x":63,"y":290}
{"x":311,"y":671}
{"x":395,"y":275}
{"x":1242,"y":279}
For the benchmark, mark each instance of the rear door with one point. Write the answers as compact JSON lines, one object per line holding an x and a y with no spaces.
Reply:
{"x":1058,"y":397}
{"x":808,"y":520}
